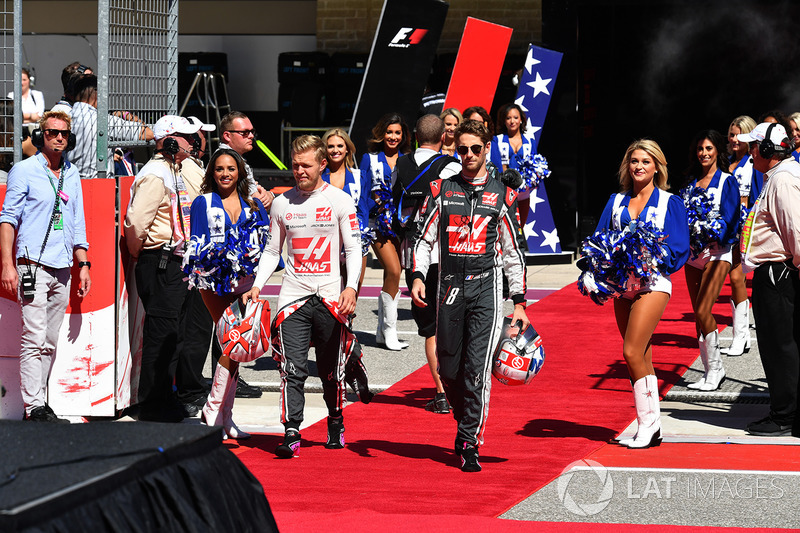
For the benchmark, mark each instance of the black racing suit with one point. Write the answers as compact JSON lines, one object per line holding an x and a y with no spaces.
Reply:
{"x":476,"y":228}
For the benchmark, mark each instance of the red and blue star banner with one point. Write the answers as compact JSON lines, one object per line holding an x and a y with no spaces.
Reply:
{"x":533,"y":96}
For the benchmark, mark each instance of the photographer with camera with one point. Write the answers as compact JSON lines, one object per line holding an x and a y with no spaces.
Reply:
{"x":43,"y":220}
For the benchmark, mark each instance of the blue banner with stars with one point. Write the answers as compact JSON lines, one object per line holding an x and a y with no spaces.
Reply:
{"x":533,"y":96}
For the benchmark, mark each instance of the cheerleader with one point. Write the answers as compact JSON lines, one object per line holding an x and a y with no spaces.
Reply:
{"x":706,"y":272}
{"x":509,"y":145}
{"x":480,"y":114}
{"x":794,"y":124}
{"x":390,"y":138}
{"x":342,"y":174}
{"x":741,"y":167}
{"x":452,"y":118}
{"x":224,"y":197}
{"x":643,"y":180}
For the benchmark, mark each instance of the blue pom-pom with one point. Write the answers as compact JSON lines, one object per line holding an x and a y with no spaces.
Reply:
{"x":609,"y":258}
{"x":367,"y":238}
{"x":705,"y":220}
{"x":601,"y":279}
{"x":385,"y":212}
{"x":219,"y":266}
{"x":533,"y":170}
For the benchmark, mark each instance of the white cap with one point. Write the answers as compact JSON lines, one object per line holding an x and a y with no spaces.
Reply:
{"x":205,"y":127}
{"x":777,"y":135}
{"x":171,"y":124}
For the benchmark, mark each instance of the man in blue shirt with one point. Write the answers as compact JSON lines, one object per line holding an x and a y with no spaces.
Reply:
{"x":43,"y":216}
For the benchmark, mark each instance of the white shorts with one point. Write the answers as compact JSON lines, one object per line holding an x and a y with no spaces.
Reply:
{"x":659,"y":284}
{"x":713,"y":252}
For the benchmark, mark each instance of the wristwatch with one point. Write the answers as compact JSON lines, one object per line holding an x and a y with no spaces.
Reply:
{"x":87,"y":264}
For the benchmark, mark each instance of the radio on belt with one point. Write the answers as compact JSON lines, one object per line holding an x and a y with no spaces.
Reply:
{"x":517,"y":360}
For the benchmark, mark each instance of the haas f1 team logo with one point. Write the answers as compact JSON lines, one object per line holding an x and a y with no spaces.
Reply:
{"x":406,"y":37}
{"x":324,"y":214}
{"x":312,"y":255}
{"x":464,"y":237}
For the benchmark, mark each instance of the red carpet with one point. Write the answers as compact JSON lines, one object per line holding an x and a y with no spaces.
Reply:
{"x":399,"y":460}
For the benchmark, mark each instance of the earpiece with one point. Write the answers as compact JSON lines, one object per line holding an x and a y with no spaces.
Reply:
{"x":170,"y":146}
{"x":767,"y":148}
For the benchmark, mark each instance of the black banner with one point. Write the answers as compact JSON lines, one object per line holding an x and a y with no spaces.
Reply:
{"x":399,"y":64}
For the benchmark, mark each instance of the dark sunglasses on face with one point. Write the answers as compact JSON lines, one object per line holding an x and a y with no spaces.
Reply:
{"x":476,"y":149}
{"x":51,"y":132}
{"x":244,"y":133}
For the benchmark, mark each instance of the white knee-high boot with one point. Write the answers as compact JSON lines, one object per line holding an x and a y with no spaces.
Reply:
{"x":379,"y":332}
{"x":389,"y":330}
{"x":231,"y":430}
{"x":703,"y":357}
{"x":648,"y":413}
{"x":741,"y":329}
{"x":715,"y":370}
{"x":212,"y":414}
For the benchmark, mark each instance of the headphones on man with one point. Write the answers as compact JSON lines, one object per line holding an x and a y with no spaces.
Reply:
{"x":767,"y":148}
{"x":37,"y":138}
{"x":170,"y":146}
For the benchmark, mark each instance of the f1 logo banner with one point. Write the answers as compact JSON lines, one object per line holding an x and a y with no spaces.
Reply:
{"x":399,"y":64}
{"x":484,"y":44}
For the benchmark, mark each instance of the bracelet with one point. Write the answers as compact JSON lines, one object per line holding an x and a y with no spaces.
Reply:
{"x":86,"y":264}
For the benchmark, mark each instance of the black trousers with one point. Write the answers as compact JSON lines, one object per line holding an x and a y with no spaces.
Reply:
{"x":194,"y":337}
{"x":312,"y":322}
{"x":163,"y":294}
{"x":776,"y":309}
{"x":425,"y":317}
{"x":470,"y":318}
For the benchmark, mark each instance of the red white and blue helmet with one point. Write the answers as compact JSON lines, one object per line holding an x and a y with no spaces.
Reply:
{"x":245,"y":337}
{"x":517,"y":360}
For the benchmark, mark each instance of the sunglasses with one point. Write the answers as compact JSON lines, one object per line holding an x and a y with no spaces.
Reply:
{"x":51,"y":132}
{"x":244,"y":133}
{"x":476,"y":149}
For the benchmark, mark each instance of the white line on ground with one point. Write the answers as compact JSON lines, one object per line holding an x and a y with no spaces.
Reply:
{"x":691,"y":470}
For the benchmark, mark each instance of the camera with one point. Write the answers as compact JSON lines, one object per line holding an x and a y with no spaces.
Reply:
{"x":28,"y":282}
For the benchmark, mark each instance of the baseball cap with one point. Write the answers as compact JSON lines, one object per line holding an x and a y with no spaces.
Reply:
{"x":172,"y":124}
{"x":777,"y":135}
{"x":205,"y":127}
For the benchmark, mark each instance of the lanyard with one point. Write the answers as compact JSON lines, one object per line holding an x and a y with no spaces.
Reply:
{"x":50,"y":177}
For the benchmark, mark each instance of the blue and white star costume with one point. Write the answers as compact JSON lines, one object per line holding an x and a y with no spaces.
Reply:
{"x":667,"y":213}
{"x":376,"y":178}
{"x":354,"y":186}
{"x":502,"y":153}
{"x":724,"y":190}
{"x":210,"y":223}
{"x":744,"y":175}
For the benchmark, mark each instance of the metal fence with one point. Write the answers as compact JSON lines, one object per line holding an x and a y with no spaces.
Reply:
{"x":138,"y":71}
{"x":9,"y":51}
{"x":137,"y":81}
